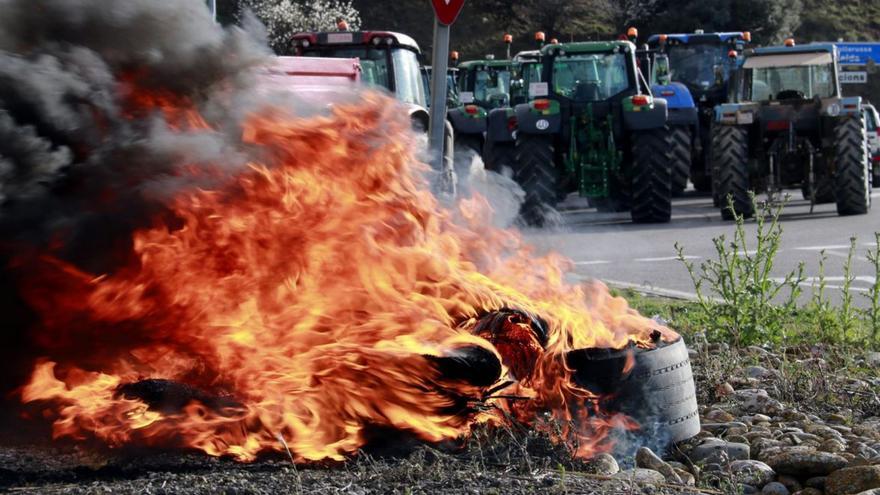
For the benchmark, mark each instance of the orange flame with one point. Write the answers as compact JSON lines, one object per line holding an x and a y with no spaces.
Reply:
{"x":308,"y":291}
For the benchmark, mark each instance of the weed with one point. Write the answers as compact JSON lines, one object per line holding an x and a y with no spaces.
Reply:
{"x":872,"y":313}
{"x":753,"y":306}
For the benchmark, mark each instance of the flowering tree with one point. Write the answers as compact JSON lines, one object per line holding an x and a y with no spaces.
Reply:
{"x":282,"y":18}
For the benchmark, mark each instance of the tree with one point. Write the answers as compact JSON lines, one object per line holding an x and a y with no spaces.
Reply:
{"x":282,"y":18}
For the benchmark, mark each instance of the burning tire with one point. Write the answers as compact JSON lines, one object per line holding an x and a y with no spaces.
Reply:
{"x":852,"y":186}
{"x":536,"y":173}
{"x":730,"y":150}
{"x":681,"y":158}
{"x":658,"y":392}
{"x":651,"y":177}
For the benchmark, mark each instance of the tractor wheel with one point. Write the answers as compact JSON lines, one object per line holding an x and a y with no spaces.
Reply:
{"x":536,"y":173}
{"x":852,"y":183}
{"x":731,"y":158}
{"x":651,"y":176}
{"x":500,"y":155}
{"x":824,"y":190}
{"x":681,"y":158}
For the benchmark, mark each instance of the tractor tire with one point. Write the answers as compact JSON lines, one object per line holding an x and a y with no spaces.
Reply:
{"x":730,"y":148}
{"x":681,"y":158}
{"x":499,"y":156}
{"x":536,"y":173}
{"x":824,"y":190}
{"x":852,"y":181}
{"x":651,"y":176}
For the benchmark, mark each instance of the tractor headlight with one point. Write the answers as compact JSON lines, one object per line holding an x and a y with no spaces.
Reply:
{"x":833,"y":110}
{"x":377,"y":40}
{"x":305,"y":43}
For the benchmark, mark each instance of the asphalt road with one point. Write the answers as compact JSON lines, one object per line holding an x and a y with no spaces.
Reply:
{"x":609,"y":247}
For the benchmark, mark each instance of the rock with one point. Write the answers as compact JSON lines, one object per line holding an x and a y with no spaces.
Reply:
{"x":873,"y":491}
{"x":715,"y":450}
{"x":723,"y":389}
{"x":752,"y":472}
{"x":737,"y":439}
{"x":646,"y":458}
{"x":799,"y":462}
{"x":603,"y":464}
{"x":687,"y":478}
{"x":724,"y":427}
{"x":758,"y":372}
{"x":775,"y":488}
{"x":757,"y":400}
{"x":816,"y":482}
{"x":760,"y":418}
{"x":838,"y":419}
{"x":719,"y":416}
{"x":832,"y":445}
{"x":745,"y":489}
{"x":790,"y":482}
{"x":852,"y":480}
{"x":873,"y":359}
{"x":809,"y":491}
{"x":640,"y":475}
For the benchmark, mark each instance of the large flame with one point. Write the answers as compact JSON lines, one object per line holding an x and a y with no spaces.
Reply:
{"x":309,"y":294}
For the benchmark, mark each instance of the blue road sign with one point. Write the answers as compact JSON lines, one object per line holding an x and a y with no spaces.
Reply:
{"x":858,"y":53}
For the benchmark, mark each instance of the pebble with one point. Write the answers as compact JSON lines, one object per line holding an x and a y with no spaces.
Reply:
{"x":873,"y":359}
{"x":724,"y":389}
{"x":774,"y":488}
{"x":809,"y":491}
{"x":646,"y":458}
{"x":851,"y":480}
{"x":604,"y":464}
{"x":716,"y":450}
{"x":752,"y":472}
{"x":799,"y":462}
{"x":640,"y":475}
{"x":758,"y":372}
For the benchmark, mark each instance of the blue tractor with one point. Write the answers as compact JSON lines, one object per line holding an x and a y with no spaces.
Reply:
{"x":683,"y":117}
{"x":702,"y":63}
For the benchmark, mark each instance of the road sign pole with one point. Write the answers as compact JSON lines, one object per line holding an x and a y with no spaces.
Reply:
{"x":439,"y":58}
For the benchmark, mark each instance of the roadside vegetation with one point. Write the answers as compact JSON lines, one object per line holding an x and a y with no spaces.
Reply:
{"x":741,"y":301}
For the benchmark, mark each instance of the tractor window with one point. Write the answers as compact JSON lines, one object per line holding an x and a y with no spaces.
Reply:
{"x":531,"y":73}
{"x":781,"y":83}
{"x":373,"y":60}
{"x":700,"y":65}
{"x":492,"y":87}
{"x":407,"y":78}
{"x":590,"y":77}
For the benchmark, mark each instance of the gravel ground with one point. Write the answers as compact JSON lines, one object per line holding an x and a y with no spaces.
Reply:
{"x":800,"y":420}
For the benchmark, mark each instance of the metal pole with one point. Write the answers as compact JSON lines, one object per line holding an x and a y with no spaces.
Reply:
{"x":439,"y":62}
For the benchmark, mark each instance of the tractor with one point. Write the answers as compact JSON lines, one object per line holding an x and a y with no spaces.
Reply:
{"x":594,"y":127}
{"x":451,"y":85}
{"x":703,"y":63}
{"x":499,"y":151}
{"x":787,"y":125}
{"x":389,"y":61}
{"x":483,"y":85}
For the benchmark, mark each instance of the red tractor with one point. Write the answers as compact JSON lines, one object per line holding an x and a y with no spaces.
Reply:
{"x":389,"y":60}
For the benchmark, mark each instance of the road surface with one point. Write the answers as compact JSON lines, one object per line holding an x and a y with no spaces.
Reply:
{"x":609,"y":247}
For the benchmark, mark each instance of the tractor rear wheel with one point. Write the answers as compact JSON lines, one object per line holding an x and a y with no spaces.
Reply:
{"x":499,"y":155}
{"x":651,"y":176}
{"x":824,"y":190}
{"x":681,"y":158}
{"x":536,"y":173}
{"x":852,"y":183}
{"x":731,"y":158}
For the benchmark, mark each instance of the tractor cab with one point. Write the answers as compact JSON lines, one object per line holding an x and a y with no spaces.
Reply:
{"x":451,"y":85}
{"x":701,"y":61}
{"x":529,"y":72}
{"x":389,"y":60}
{"x":486,"y":83}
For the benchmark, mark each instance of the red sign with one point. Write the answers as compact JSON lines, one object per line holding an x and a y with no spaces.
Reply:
{"x":447,"y":10}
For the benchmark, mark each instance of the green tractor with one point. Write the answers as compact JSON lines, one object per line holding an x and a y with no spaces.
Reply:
{"x":594,"y":127}
{"x":787,"y":125}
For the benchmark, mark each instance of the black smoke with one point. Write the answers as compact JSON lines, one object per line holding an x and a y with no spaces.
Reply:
{"x":79,"y":170}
